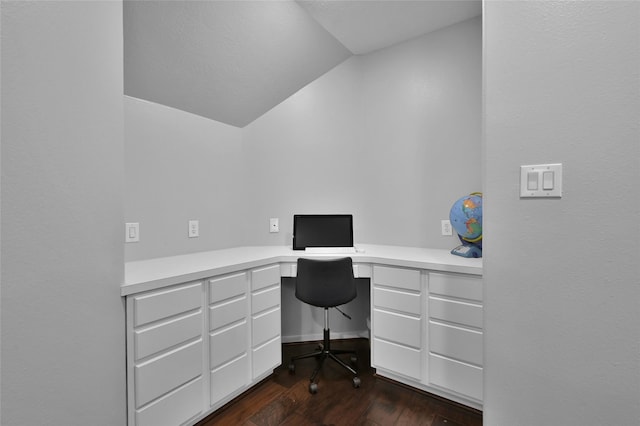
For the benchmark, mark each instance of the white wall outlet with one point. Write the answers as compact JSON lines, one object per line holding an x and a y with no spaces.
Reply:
{"x":274,"y":225}
{"x":194,"y":229}
{"x":132,"y":232}
{"x":445,"y":226}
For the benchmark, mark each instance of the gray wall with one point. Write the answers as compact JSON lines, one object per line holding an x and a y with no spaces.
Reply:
{"x":181,"y":167}
{"x":63,"y":342}
{"x":562,"y":296}
{"x":393,"y":137}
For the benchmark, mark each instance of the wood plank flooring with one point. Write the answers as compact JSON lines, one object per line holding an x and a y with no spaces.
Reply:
{"x":284,"y":398}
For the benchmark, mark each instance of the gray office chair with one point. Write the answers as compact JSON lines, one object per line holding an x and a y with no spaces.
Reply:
{"x":326,"y":284}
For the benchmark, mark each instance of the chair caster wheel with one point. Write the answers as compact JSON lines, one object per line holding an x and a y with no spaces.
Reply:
{"x":313,"y":388}
{"x":356,"y":382}
{"x":354,"y":360}
{"x":292,"y":368}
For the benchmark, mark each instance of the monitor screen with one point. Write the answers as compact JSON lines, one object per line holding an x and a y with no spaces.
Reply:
{"x":322,"y":230}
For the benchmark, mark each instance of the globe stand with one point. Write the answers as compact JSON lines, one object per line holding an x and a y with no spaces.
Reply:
{"x":467,"y":250}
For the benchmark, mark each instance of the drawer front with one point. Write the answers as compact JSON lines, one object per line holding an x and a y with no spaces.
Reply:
{"x":397,"y":358}
{"x":264,"y":300}
{"x":229,"y":378}
{"x":456,"y":376}
{"x":454,"y":311}
{"x":228,"y":344}
{"x":163,"y":304}
{"x":461,"y":286}
{"x":227,"y":313}
{"x":267,"y":357}
{"x":174,"y":409}
{"x":397,"y":328}
{"x":455,"y":342}
{"x":397,"y":277}
{"x":166,"y":335}
{"x":265,"y":277}
{"x":227,"y":287}
{"x":397,"y":300}
{"x":265,"y":327}
{"x":161,"y":375}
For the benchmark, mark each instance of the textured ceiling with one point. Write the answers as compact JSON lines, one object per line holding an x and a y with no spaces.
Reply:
{"x":232,"y":61}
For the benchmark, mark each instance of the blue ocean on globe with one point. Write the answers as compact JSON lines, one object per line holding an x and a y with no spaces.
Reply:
{"x":466,"y":217}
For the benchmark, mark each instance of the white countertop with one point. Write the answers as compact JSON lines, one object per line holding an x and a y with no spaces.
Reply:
{"x":151,"y":274}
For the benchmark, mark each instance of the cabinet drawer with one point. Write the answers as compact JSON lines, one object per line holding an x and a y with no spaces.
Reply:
{"x":456,"y":376}
{"x":166,"y":335}
{"x":227,"y":287}
{"x":161,"y":375}
{"x":227,"y":313}
{"x":397,"y":300}
{"x":264,"y":300}
{"x":461,"y":286}
{"x":229,"y":378}
{"x":455,"y":342}
{"x":266,"y":357}
{"x":397,"y":358}
{"x":174,"y":409}
{"x":265,"y":277}
{"x":397,"y":277}
{"x":163,"y":304}
{"x":265,"y":327}
{"x":228,"y":344}
{"x":454,"y":311}
{"x":397,"y":328}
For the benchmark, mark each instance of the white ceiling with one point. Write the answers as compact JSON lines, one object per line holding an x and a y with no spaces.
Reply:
{"x":232,"y":61}
{"x":365,"y":26}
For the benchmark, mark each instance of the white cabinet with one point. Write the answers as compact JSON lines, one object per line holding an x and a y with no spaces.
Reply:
{"x":193,"y":347}
{"x":228,"y":335}
{"x":455,"y":333}
{"x":396,"y":322}
{"x":165,"y":346}
{"x":427,"y":331}
{"x":266,"y":342}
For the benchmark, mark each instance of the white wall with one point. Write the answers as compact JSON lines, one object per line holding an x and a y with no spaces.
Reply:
{"x":562,"y":310}
{"x":181,"y":167}
{"x":63,"y":340}
{"x":422,"y":132}
{"x":304,"y":156}
{"x":392,"y":137}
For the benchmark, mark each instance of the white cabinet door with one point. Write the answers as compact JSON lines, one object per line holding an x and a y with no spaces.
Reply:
{"x":396,"y":322}
{"x":164,"y":355}
{"x":266,"y":341}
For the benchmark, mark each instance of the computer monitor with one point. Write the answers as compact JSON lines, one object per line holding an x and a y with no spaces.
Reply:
{"x":322,"y":230}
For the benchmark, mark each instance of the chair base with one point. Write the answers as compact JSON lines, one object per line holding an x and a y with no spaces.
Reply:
{"x":322,"y":354}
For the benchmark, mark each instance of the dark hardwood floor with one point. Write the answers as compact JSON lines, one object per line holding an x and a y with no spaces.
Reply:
{"x":284,"y":398}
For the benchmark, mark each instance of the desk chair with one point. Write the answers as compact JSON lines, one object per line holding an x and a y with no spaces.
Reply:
{"x":326,"y":284}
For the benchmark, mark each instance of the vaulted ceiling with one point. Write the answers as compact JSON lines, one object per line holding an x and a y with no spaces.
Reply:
{"x":232,"y":61}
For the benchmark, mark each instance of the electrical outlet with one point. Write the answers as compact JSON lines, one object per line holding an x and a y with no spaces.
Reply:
{"x":132,"y":232}
{"x":194,"y":229}
{"x":274,"y":225}
{"x":446,"y":227}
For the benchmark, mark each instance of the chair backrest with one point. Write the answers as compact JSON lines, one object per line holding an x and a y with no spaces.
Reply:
{"x":325,"y":283}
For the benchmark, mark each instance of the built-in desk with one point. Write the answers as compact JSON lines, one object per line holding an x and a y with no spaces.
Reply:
{"x":204,"y":327}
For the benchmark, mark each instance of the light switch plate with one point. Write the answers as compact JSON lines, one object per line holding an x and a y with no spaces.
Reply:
{"x":541,"y":181}
{"x":132,"y":232}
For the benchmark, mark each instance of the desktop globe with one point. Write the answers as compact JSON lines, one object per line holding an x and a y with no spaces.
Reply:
{"x":466,"y":220}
